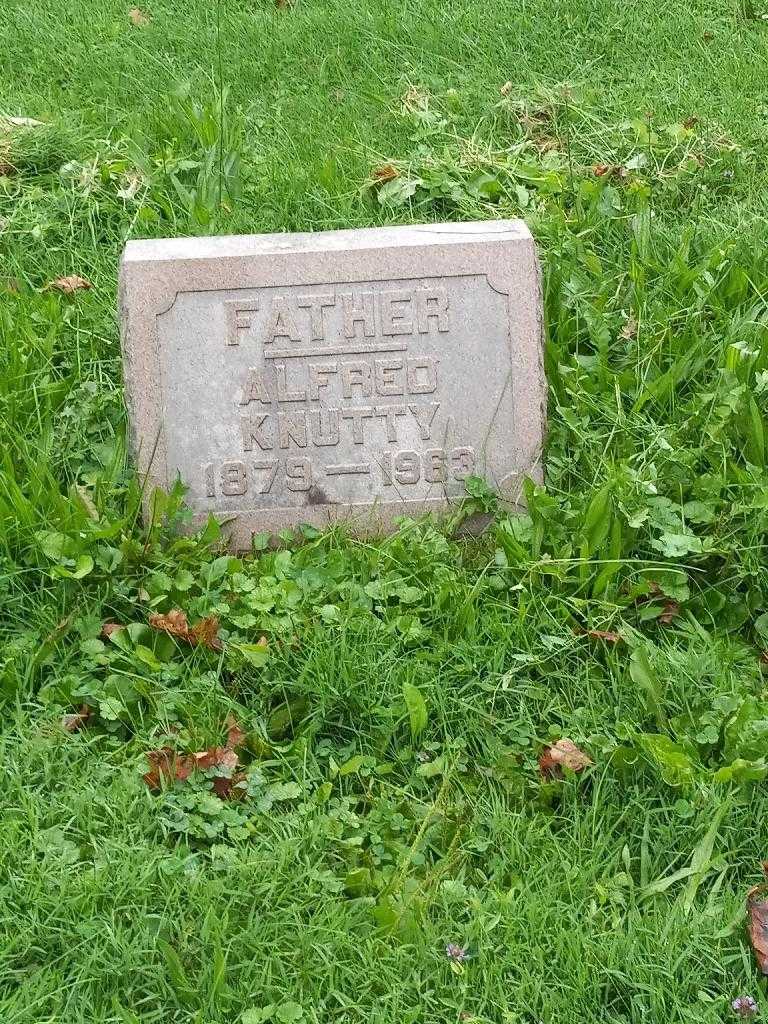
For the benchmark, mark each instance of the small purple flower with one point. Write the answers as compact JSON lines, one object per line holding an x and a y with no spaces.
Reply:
{"x":456,"y":954}
{"x":745,"y":1006}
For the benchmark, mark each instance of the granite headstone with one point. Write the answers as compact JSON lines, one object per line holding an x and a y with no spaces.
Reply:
{"x":363,"y":374}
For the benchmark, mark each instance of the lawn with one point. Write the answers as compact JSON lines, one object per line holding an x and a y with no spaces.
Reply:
{"x":367,"y":834}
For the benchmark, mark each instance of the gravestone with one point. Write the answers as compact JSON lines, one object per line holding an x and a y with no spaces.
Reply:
{"x":360,"y":374}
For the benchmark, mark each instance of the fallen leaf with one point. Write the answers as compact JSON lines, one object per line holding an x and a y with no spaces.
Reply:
{"x":206,"y":632}
{"x":87,"y":502}
{"x":21,"y":122}
{"x":604,"y":634}
{"x":671,"y":611}
{"x":70,"y":284}
{"x":138,"y":17}
{"x":76,"y":720}
{"x":629,"y":330}
{"x":385,"y":173}
{"x":608,"y":635}
{"x":175,"y":623}
{"x":235,"y":735}
{"x":131,"y":182}
{"x":757,"y":909}
{"x":215,"y":757}
{"x":414,"y":100}
{"x":562,"y":754}
{"x":109,"y":628}
{"x":610,"y":170}
{"x":166,"y":765}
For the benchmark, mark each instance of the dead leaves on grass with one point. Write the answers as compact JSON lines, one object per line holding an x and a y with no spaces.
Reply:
{"x":609,"y":171}
{"x":138,"y":17}
{"x":69,"y":285}
{"x":205,"y":633}
{"x":562,"y":754}
{"x":387,"y":172}
{"x":757,"y":913}
{"x":606,"y":635}
{"x":168,"y":766}
{"x":76,"y":721}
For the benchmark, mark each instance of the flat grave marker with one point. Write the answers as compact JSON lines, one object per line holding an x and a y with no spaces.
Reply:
{"x":361,"y":374}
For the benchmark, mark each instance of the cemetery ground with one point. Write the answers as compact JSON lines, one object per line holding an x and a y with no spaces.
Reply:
{"x":360,"y":817}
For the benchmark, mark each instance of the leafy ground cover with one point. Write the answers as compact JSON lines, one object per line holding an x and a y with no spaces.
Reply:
{"x":327,"y":781}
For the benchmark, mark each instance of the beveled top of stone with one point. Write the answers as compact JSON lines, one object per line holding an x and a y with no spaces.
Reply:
{"x":210,"y":247}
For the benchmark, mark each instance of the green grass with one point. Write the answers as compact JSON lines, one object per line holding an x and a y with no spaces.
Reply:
{"x":394,"y":802}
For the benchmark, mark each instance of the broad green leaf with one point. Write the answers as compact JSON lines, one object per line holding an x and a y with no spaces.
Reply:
{"x":183,"y":579}
{"x":288,"y":1013}
{"x":702,"y":857}
{"x":176,"y":973}
{"x":643,"y":676}
{"x":111,"y":708}
{"x":597,"y":520}
{"x":417,"y":709}
{"x":255,"y":654}
{"x":83,"y":566}
{"x":53,"y":545}
{"x":676,"y":766}
{"x":352,"y":765}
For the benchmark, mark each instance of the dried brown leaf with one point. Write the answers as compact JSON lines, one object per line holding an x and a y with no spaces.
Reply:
{"x":229,"y":788}
{"x":629,"y":331}
{"x":206,"y":632}
{"x":757,"y":911}
{"x":609,"y":170}
{"x":235,"y":735}
{"x":175,"y":623}
{"x":166,"y":765}
{"x":163,"y":764}
{"x":109,"y":628}
{"x":138,"y":17}
{"x":671,"y":611}
{"x":21,"y":122}
{"x":562,"y":754}
{"x":69,"y":285}
{"x":604,"y":634}
{"x":384,"y":173}
{"x":76,"y":720}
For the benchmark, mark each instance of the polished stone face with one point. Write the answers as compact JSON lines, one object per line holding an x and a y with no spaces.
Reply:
{"x":365,"y":374}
